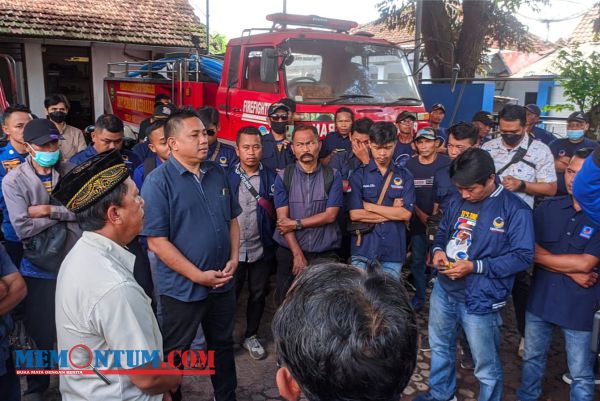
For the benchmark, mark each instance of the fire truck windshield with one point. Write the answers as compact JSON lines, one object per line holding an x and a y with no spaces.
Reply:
{"x":319,"y":71}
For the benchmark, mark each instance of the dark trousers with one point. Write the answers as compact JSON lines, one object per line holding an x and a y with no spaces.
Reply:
{"x":40,"y":323}
{"x":10,"y":387}
{"x":15,"y":251}
{"x":216,"y":315}
{"x":285,"y":264}
{"x":141,"y":268}
{"x":257,"y":274}
{"x":520,"y":294}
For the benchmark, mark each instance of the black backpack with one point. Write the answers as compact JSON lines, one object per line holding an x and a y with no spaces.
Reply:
{"x":288,"y":174}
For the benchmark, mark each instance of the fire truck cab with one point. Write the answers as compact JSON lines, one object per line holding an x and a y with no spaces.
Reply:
{"x":319,"y":65}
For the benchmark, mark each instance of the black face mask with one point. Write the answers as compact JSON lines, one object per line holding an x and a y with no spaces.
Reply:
{"x":279,"y":127}
{"x":58,"y":116}
{"x":512,"y":139}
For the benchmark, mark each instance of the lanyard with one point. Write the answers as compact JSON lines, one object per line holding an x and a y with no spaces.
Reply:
{"x":246,"y":181}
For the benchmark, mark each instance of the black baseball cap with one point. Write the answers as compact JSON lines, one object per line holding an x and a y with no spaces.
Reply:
{"x":484,"y":117}
{"x":404,"y":115}
{"x":40,"y":132}
{"x":576,"y":116}
{"x":277,"y":106}
{"x":437,"y":106}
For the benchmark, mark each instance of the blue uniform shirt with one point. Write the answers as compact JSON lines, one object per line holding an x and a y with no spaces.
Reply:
{"x":443,"y":188}
{"x":138,"y":174}
{"x":402,"y":153}
{"x":345,"y":163}
{"x":387,"y":242}
{"x":226,"y":156}
{"x":586,"y":187}
{"x":542,"y":135}
{"x":9,"y":159}
{"x":424,"y":179}
{"x":334,"y":140}
{"x":142,"y":150}
{"x":6,"y":267}
{"x":194,"y":213}
{"x":131,"y":159}
{"x":554,"y":297}
{"x":564,"y":147}
{"x":276,"y":154}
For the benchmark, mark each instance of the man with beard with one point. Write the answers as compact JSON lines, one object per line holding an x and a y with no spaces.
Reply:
{"x":277,"y":153}
{"x":308,"y":197}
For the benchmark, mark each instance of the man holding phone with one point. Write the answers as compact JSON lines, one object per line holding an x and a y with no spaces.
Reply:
{"x":484,"y":239}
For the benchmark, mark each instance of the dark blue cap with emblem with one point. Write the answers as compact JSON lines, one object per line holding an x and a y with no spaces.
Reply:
{"x":40,"y":132}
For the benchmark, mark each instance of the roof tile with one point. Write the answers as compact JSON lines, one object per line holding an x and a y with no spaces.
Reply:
{"x":148,"y":22}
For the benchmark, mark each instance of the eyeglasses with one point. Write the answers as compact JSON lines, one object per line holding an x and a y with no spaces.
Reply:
{"x":211,"y":132}
{"x":279,"y":117}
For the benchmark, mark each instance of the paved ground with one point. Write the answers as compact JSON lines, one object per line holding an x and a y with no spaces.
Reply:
{"x":256,"y":379}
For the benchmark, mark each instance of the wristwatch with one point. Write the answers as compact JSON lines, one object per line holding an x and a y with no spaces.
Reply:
{"x":299,"y":225}
{"x":522,"y":186}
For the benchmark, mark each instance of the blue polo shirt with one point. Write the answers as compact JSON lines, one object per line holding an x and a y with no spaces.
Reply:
{"x":387,"y":242}
{"x":334,"y":140}
{"x":138,"y":174}
{"x":563,"y":147}
{"x":542,"y":135}
{"x":131,"y":159}
{"x":9,"y":159}
{"x":554,"y":297}
{"x":226,"y":156}
{"x":194,"y":213}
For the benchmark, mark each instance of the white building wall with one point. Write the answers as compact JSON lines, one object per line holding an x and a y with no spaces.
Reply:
{"x":35,"y":78}
{"x":516,"y":90}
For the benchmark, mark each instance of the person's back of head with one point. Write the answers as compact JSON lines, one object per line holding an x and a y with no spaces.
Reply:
{"x":344,"y":334}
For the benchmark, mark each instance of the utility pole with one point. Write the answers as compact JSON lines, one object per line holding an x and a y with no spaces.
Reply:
{"x":285,"y":6}
{"x":207,"y":29}
{"x":418,"y":20}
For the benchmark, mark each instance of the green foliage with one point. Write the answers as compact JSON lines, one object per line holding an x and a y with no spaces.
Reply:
{"x":459,"y":26}
{"x":218,"y":43}
{"x":579,"y":75}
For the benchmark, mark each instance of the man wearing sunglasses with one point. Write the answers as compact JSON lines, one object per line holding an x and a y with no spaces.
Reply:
{"x":277,"y":152}
{"x":221,"y":153}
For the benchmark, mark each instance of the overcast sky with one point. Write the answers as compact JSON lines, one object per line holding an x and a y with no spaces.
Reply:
{"x":230,"y":17}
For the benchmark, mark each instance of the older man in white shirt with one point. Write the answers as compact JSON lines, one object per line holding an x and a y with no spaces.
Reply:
{"x":98,"y":302}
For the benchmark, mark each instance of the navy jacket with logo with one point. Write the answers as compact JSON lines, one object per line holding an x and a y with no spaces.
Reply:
{"x":266,"y":190}
{"x":503,"y":245}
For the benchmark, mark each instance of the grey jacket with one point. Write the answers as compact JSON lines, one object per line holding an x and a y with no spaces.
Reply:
{"x":23,"y":188}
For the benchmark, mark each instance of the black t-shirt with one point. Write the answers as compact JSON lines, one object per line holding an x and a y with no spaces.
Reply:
{"x":458,"y":247}
{"x":423,"y":179}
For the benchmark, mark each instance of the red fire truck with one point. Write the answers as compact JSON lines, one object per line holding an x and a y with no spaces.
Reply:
{"x":319,"y":65}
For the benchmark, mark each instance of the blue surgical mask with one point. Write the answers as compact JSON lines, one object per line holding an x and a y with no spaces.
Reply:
{"x":575,"y":135}
{"x":46,"y":159}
